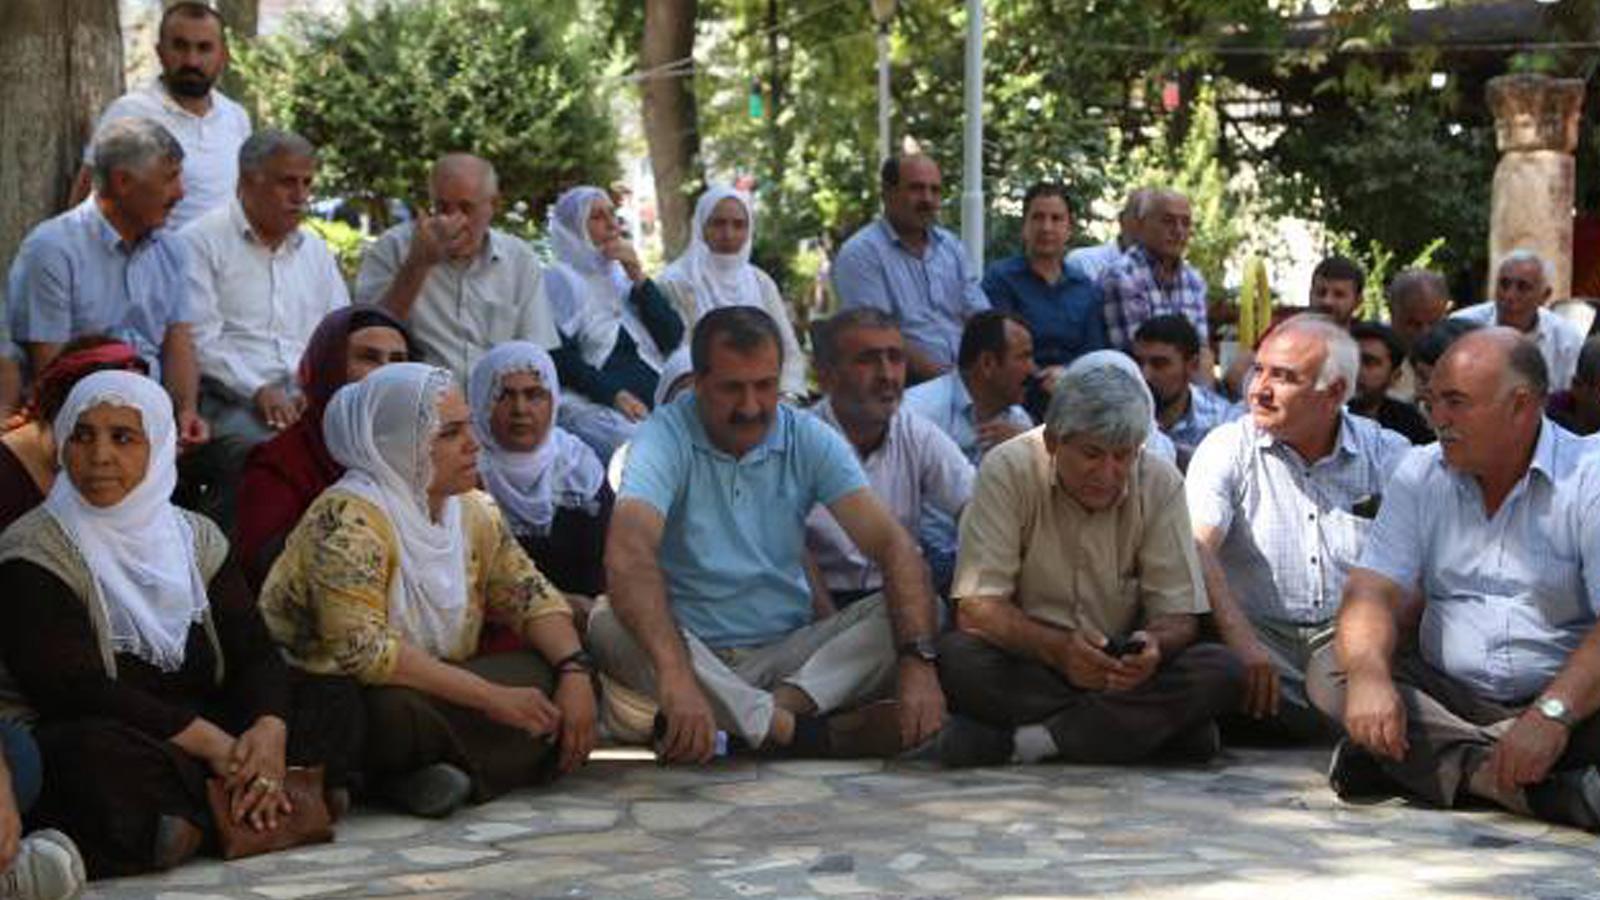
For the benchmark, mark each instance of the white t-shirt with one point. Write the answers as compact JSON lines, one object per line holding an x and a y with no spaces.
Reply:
{"x":210,"y":144}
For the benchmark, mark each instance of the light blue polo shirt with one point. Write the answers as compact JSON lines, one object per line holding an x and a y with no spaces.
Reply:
{"x":74,"y":275}
{"x":734,"y":542}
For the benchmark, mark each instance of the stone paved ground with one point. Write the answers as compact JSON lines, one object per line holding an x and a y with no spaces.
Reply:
{"x":1262,"y":825}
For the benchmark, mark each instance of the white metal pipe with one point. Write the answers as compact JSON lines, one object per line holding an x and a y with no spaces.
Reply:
{"x":884,"y":137}
{"x":972,"y":206}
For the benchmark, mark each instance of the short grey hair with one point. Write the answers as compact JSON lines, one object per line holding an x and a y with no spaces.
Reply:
{"x":1412,"y":285}
{"x":1101,"y":400}
{"x":1341,"y":354}
{"x":1146,"y":203}
{"x":1524,"y":255}
{"x":464,"y":163}
{"x":131,"y":144}
{"x":263,"y":145}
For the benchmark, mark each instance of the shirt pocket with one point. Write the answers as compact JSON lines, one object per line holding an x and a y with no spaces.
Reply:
{"x":1344,"y":534}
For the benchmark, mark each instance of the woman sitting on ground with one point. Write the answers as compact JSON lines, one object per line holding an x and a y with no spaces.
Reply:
{"x":283,"y":475}
{"x":616,"y":326}
{"x":28,"y":448}
{"x":390,"y":577}
{"x":135,"y":641}
{"x":550,"y":486}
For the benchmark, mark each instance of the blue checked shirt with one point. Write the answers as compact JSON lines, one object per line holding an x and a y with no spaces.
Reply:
{"x":1507,"y":598}
{"x":1207,"y":410}
{"x":1291,"y":534}
{"x":1134,"y":295}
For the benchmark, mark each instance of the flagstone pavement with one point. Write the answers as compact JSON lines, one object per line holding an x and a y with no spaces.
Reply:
{"x":1262,"y":824}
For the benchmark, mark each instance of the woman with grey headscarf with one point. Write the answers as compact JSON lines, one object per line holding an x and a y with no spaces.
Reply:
{"x":617,"y":328}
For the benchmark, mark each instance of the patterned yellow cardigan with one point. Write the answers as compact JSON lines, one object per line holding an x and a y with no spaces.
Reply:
{"x":326,"y":600}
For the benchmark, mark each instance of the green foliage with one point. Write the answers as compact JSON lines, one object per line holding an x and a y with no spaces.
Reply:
{"x":392,"y":85}
{"x":1379,"y":263}
{"x":346,"y":242}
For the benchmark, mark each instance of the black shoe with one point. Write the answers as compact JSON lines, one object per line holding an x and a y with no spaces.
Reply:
{"x":1353,"y":773}
{"x":1196,"y":744}
{"x":963,"y":743}
{"x":432,"y":792}
{"x":1568,"y":798}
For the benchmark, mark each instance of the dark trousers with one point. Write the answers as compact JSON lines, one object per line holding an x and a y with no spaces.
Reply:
{"x":410,"y":729}
{"x":1002,"y":689}
{"x":1451,"y":731}
{"x":22,"y":761}
{"x":107,"y":784}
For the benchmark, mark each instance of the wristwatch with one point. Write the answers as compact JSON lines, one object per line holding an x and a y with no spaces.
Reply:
{"x":1555,"y":709}
{"x":924,"y":648}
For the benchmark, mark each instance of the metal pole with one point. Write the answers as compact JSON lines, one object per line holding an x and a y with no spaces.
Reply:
{"x":972,"y":207}
{"x":884,"y":137}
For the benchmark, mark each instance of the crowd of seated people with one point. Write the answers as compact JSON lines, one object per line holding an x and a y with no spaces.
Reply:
{"x":468,"y":512}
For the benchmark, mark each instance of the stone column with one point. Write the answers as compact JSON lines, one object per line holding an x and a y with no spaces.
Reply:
{"x":1536,"y":129}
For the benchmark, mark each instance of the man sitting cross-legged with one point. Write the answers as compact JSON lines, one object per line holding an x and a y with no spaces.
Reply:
{"x":1074,"y":537}
{"x":710,"y":612}
{"x":1495,"y":527}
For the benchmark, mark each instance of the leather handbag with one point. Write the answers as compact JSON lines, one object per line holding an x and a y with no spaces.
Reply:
{"x":307,"y":823}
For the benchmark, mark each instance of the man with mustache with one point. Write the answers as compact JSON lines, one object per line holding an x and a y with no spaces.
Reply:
{"x":193,"y":50}
{"x":710,"y":611}
{"x":260,"y":284}
{"x":1521,"y":290}
{"x":1282,"y":499}
{"x":910,"y":464}
{"x":109,"y":266}
{"x":1152,"y":278}
{"x":1494,"y":534}
{"x":904,"y":264}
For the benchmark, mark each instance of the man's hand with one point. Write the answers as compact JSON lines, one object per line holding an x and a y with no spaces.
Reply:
{"x":10,"y":829}
{"x":1081,"y":662}
{"x":1261,"y":689}
{"x":1374,"y":717}
{"x":630,"y":406}
{"x":433,"y":237}
{"x":1048,"y":376}
{"x":623,"y":253}
{"x":691,"y":728}
{"x":192,"y":430}
{"x":1524,"y":755}
{"x":1132,"y":671}
{"x":997,"y":431}
{"x":921,"y":702}
{"x":575,"y":698}
{"x":526,"y":708}
{"x":276,"y":408}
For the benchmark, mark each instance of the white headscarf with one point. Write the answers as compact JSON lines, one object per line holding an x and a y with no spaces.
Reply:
{"x":562,"y":472}
{"x":1157,"y":442}
{"x":717,"y":279}
{"x":589,"y":293}
{"x":381,"y":429}
{"x":141,"y":550}
{"x":674,"y":369}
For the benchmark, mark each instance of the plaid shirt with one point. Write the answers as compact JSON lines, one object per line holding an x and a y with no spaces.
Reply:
{"x":1134,"y":295}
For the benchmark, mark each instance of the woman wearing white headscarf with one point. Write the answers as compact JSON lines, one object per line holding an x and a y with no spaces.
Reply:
{"x":550,"y":485}
{"x":616,"y":326}
{"x":1157,"y":443}
{"x":390,"y":577}
{"x":132,"y":636}
{"x":715,"y":271}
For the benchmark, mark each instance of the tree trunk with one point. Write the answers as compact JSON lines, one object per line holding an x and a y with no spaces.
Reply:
{"x":669,"y":115}
{"x":60,"y":64}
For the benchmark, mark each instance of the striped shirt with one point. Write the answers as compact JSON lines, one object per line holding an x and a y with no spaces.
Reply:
{"x":1135,"y":294}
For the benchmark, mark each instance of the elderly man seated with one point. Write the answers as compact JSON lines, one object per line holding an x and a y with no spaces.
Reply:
{"x":1284,"y":498}
{"x":710,"y":611}
{"x":1078,"y":595}
{"x":1496,"y":530}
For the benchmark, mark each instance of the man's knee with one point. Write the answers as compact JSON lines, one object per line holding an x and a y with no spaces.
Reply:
{"x":1214,"y":670}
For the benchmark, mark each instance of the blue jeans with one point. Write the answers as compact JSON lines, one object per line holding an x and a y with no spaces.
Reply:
{"x":22,"y":758}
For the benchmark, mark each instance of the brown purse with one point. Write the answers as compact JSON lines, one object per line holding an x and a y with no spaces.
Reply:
{"x":307,"y":823}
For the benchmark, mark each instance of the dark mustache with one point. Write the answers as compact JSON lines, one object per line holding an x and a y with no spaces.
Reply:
{"x":761,"y":418}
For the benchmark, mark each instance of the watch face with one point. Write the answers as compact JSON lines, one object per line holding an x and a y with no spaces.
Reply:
{"x":1553,"y":708}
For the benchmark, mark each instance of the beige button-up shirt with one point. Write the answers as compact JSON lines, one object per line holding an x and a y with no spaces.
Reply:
{"x":1025,"y":538}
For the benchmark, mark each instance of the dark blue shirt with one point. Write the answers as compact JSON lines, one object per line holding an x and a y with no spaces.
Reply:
{"x":1067,"y":318}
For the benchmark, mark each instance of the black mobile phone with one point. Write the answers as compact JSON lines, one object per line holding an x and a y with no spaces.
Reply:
{"x":1123,"y":646}
{"x":1367,"y":507}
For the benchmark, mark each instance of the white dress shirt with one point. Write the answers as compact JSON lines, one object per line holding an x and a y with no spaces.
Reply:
{"x":466,"y":309}
{"x":916,"y":465}
{"x":255,"y":307}
{"x":210,"y":144}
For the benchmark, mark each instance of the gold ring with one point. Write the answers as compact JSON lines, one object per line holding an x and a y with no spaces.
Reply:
{"x":268,"y":784}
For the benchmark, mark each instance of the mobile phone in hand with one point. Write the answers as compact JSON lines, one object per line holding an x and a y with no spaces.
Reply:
{"x":1118,"y":647}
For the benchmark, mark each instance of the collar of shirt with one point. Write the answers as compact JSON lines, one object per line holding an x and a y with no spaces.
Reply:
{"x":1554,"y":443}
{"x":158,"y":88}
{"x":824,"y":411}
{"x":107,"y":233}
{"x":243,"y":228}
{"x":775,"y":441}
{"x":935,"y":236}
{"x":1344,"y":445}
